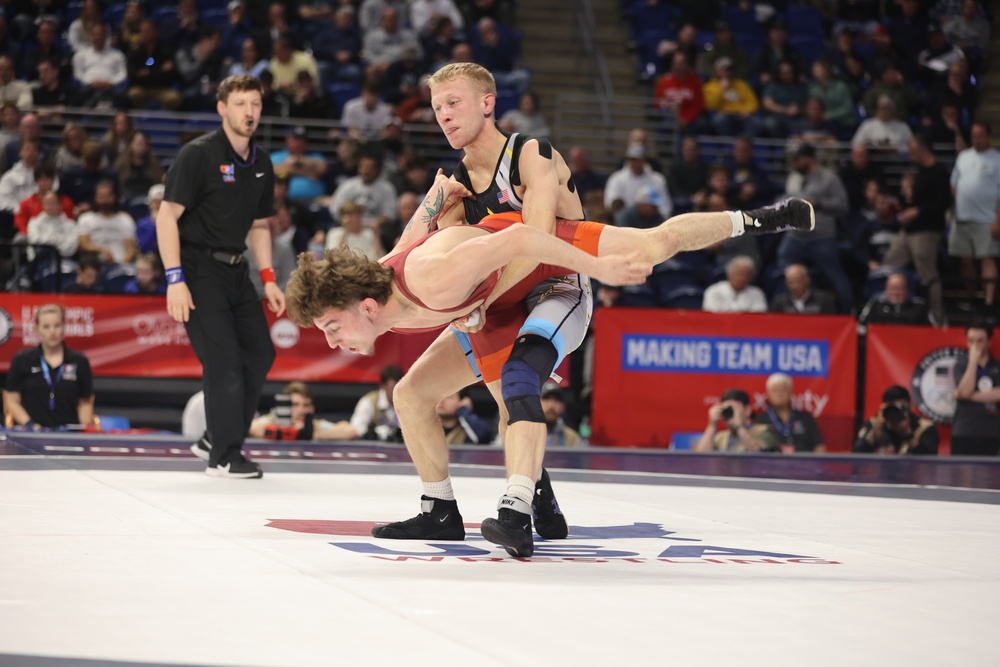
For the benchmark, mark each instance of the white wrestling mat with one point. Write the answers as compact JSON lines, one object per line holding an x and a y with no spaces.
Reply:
{"x":98,"y":566}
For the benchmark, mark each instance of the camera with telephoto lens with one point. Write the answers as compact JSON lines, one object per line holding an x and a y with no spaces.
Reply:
{"x":893,"y":414}
{"x":727,"y":413}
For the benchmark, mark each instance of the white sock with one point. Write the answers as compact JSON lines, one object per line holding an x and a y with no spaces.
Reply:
{"x":521,"y":487}
{"x":738,"y":221}
{"x":440,"y":490}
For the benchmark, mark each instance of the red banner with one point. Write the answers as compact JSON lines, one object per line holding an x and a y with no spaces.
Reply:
{"x":656,"y":372}
{"x":922,"y":360}
{"x":132,"y":336}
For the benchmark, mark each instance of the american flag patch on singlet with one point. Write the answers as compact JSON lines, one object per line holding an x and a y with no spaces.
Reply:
{"x":503,"y":196}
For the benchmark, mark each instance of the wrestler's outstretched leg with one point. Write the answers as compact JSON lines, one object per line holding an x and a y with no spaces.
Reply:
{"x":440,"y":371}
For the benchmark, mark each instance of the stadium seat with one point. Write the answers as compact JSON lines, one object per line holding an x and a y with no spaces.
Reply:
{"x":638,"y":296}
{"x":342,"y":93}
{"x":665,"y":283}
{"x":114,"y":14}
{"x":803,"y":20}
{"x":217,"y":18}
{"x":810,"y":47}
{"x":688,"y":298}
{"x":506,"y":100}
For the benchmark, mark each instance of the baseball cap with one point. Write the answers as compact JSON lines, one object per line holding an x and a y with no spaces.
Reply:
{"x":635,"y":152}
{"x":233,"y":4}
{"x":296,"y":131}
{"x":723,"y":63}
{"x":647,"y":194}
{"x":156,"y":192}
{"x":552,"y":389}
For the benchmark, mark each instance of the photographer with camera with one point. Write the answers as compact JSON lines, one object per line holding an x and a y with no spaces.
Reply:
{"x":739,"y":434}
{"x":895,"y":429}
{"x":293,"y":419}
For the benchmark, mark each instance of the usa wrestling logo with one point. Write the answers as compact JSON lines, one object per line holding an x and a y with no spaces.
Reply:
{"x":6,"y":326}
{"x":933,"y":384}
{"x":228,"y":173}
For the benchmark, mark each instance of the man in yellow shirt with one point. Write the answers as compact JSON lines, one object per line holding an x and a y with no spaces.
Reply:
{"x":729,"y":100}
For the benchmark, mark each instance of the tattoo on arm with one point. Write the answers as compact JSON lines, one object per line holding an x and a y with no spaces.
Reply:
{"x":432,"y":212}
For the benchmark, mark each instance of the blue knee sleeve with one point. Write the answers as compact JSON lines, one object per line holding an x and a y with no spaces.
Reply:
{"x":531,"y":361}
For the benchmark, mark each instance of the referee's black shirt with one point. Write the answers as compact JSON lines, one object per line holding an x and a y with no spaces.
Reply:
{"x":221,"y":194}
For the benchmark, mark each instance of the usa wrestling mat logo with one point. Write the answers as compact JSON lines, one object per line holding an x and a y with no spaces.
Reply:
{"x":6,"y":326}
{"x":635,"y":543}
{"x":933,"y":384}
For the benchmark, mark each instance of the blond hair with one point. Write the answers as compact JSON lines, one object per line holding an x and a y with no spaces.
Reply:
{"x":47,"y":308}
{"x":476,"y":74}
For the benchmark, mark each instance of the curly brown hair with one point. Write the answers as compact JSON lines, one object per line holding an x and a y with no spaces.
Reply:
{"x":342,"y":278}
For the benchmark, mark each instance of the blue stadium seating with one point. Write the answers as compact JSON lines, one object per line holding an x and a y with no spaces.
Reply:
{"x":218,"y":18}
{"x":803,"y":20}
{"x":506,"y":100}
{"x":689,"y":298}
{"x":666,"y":282}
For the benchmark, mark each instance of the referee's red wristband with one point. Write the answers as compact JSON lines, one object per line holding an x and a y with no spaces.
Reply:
{"x":267,"y":276}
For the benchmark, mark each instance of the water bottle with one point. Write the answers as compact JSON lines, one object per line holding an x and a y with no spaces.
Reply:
{"x":584,"y":430}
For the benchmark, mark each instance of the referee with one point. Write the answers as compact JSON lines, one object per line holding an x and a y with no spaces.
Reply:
{"x":219,"y":195}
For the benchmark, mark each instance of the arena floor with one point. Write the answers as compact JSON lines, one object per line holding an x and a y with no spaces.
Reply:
{"x":127,"y":561}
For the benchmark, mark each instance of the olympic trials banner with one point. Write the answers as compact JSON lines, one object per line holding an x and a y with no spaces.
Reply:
{"x":132,"y":336}
{"x":657,"y":372}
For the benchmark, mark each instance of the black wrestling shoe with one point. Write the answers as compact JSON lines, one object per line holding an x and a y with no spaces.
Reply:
{"x":438,"y":520}
{"x":788,"y":215}
{"x":202,"y":448}
{"x":512,"y":527}
{"x":239,"y":468}
{"x":549,"y":520}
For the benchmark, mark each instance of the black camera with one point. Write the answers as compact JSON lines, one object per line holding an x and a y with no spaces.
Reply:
{"x":727,"y":412}
{"x":893,"y":414}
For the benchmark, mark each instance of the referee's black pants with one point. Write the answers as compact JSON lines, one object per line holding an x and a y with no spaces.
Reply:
{"x":229,"y":333}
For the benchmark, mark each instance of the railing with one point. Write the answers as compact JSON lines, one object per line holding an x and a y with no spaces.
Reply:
{"x":603,"y":88}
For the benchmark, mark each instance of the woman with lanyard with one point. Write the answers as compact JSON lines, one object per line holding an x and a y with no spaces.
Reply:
{"x":796,"y":429}
{"x":50,"y":385}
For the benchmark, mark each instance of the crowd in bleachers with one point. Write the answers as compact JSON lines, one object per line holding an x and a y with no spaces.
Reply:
{"x":361,"y":65}
{"x":895,"y":80}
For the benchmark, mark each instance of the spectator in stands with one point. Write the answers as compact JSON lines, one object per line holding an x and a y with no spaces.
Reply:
{"x":100,"y":69}
{"x":249,"y":61}
{"x":49,"y":385}
{"x":584,"y":177}
{"x":366,"y":116}
{"x":80,"y":183}
{"x":947,"y":127}
{"x":87,"y":279}
{"x":975,"y":233}
{"x":236,"y":32}
{"x":52,"y":226}
{"x":686,"y":42}
{"x":725,"y":46}
{"x":784,"y":100}
{"x":923,"y":221}
{"x":151,"y":71}
{"x":881,"y":226}
{"x":847,"y":63}
{"x":310,"y":101}
{"x":273,"y":103}
{"x":287,"y":62}
{"x":369,"y":189}
{"x":813,"y":128}
{"x":624,"y":184}
{"x":970,"y":31}
{"x":687,"y":177}
{"x":353,"y":234}
{"x":374,"y":416}
{"x":29,"y":128}
{"x":406,"y":206}
{"x":107,"y":230}
{"x":49,"y":92}
{"x":303,"y":169}
{"x":438,"y":44}
{"x":735,"y":294}
{"x":891,"y":84}
{"x":16,"y":185}
{"x":118,"y":137}
{"x":882,"y":53}
{"x":344,"y":164}
{"x":13,"y":89}
{"x":303,"y":424}
{"x":909,"y":31}
{"x":975,"y":430}
{"x":730,"y":100}
{"x":277,"y":27}
{"x":856,"y":173}
{"x":796,"y":429}
{"x":10,"y":119}
{"x":282,"y":252}
{"x":957,"y":89}
{"x":423,"y":13}
{"x":895,"y":429}
{"x":199,"y":69}
{"x":526,"y":118}
{"x":414,"y":176}
{"x":861,"y":16}
{"x":740,"y":433}
{"x":557,"y":433}
{"x":402,"y":76}
{"x":46,"y":48}
{"x":718,"y":184}
{"x":679,"y":91}
{"x":371,"y":12}
{"x":79,"y":35}
{"x":45,"y":178}
{"x":774,"y":52}
{"x":750,"y":184}
{"x":339,"y":43}
{"x":181,"y":30}
{"x":817,"y":248}
{"x":127,"y":36}
{"x":148,"y":277}
{"x":800,"y":297}
{"x":495,"y":49}
{"x":138,"y":169}
{"x":145,"y":228}
{"x":894,"y":305}
{"x":644,"y":213}
{"x":461,"y":425}
{"x":939,"y":55}
{"x":838,"y":104}
{"x":386,"y":42}
{"x":883,"y":131}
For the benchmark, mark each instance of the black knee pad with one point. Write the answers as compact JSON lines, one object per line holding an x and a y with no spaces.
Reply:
{"x":531,"y":361}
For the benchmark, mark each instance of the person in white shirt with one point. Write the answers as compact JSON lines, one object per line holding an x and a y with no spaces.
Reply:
{"x":371,"y":191}
{"x":624,"y":185}
{"x":13,"y":89}
{"x":19,"y":182}
{"x":883,"y":130}
{"x":106,"y":230}
{"x":735,"y":294}
{"x":366,"y":116}
{"x":53,"y":227}
{"x":353,"y":234}
{"x":385,"y":43}
{"x":422,"y":11}
{"x":100,"y":69}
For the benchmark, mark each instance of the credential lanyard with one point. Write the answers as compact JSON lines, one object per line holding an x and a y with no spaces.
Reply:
{"x":784,"y":430}
{"x":46,"y":373}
